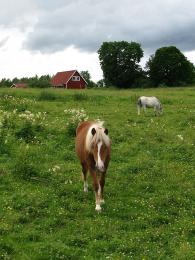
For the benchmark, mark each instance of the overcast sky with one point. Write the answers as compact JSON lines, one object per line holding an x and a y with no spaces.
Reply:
{"x":46,"y":36}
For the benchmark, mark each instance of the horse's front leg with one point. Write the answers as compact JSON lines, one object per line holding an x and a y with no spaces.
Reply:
{"x":138,"y":110}
{"x":96,"y":189}
{"x":101,"y":187}
{"x":155,"y":110}
{"x":84,"y":172}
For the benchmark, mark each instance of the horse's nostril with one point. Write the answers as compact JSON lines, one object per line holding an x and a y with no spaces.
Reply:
{"x":101,"y":168}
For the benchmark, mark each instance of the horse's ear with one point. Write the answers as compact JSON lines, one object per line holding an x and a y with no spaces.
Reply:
{"x":106,"y":131}
{"x":93,"y":131}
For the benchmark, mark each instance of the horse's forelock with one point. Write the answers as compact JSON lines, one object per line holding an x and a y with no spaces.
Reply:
{"x":99,"y":136}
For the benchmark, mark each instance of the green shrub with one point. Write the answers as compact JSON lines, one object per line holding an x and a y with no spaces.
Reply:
{"x":6,"y":250}
{"x":26,"y":132}
{"x":48,"y":96}
{"x":4,"y":149}
{"x":22,"y":107}
{"x":71,"y":129}
{"x":3,"y":146}
{"x":80,"y":97}
{"x":75,"y":117}
{"x":26,"y":166}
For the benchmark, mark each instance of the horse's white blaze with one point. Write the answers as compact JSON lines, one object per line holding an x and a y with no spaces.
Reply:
{"x":100,"y":163}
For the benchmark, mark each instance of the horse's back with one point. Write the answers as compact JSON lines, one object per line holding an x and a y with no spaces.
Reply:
{"x":149,"y":100}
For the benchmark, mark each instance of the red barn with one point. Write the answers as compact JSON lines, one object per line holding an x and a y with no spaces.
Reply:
{"x":19,"y":85}
{"x":68,"y":79}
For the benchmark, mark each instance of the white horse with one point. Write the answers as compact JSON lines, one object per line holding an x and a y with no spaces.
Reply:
{"x":144,"y":102}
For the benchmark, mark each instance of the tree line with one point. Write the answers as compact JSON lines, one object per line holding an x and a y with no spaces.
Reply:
{"x":34,"y":82}
{"x":43,"y":81}
{"x":120,"y":63}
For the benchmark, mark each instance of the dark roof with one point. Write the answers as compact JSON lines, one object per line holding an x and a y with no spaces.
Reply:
{"x":62,"y":77}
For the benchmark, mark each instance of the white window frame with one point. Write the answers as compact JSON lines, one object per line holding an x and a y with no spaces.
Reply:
{"x":75,"y":78}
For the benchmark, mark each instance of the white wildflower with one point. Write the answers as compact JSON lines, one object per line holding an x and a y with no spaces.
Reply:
{"x":180,"y":137}
{"x":77,"y":115}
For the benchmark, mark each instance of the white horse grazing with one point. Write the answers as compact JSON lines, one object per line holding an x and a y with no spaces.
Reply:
{"x":144,"y":102}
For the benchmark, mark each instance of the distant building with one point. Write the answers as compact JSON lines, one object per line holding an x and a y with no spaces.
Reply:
{"x":71,"y":79}
{"x":19,"y":85}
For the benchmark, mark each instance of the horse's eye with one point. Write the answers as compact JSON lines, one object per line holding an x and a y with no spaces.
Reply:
{"x":106,"y":131}
{"x":93,"y":131}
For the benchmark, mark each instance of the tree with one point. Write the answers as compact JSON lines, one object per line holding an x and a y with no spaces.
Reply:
{"x":100,"y":83}
{"x":120,"y":62}
{"x":5,"y":83}
{"x":15,"y":80}
{"x":44,"y":81}
{"x":86,"y":75}
{"x":170,"y":67}
{"x":34,"y":82}
{"x":39,"y":82}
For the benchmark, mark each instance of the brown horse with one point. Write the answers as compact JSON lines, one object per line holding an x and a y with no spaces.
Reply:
{"x":93,"y":150}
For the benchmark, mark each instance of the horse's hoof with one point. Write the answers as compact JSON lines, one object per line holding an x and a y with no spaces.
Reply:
{"x":98,"y":208}
{"x":85,"y":190}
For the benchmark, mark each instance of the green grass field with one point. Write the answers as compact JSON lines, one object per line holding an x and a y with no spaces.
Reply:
{"x":150,"y":185}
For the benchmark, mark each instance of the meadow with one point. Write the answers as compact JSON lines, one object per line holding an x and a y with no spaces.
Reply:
{"x":150,"y":185}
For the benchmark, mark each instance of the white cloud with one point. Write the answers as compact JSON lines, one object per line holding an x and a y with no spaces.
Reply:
{"x":190,"y":56}
{"x":17,"y":62}
{"x":3,"y":41}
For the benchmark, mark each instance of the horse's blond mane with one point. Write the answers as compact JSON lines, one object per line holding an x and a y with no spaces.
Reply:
{"x":100,"y":135}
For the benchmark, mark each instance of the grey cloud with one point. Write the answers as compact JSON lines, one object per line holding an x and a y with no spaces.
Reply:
{"x":16,"y":14}
{"x":85,"y":24}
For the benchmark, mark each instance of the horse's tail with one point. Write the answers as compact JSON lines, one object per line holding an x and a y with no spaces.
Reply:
{"x":139,"y":102}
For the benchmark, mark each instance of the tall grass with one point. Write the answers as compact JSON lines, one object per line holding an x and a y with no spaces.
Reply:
{"x":149,"y":191}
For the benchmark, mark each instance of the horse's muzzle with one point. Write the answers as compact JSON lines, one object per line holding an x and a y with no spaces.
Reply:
{"x":100,"y":167}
